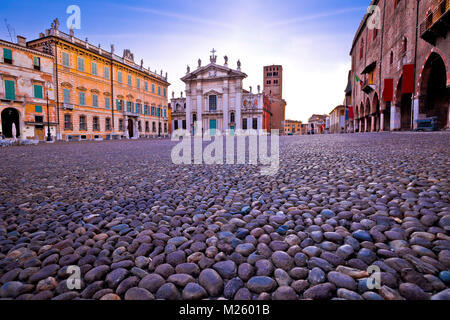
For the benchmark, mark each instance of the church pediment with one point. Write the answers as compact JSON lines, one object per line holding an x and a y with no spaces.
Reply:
{"x":213,"y":71}
{"x":212,"y":92}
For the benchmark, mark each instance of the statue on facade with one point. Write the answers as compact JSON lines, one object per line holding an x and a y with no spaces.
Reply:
{"x":239,"y":64}
{"x":173,"y":94}
{"x":188,"y":69}
{"x":199,"y":63}
{"x":112,"y":49}
{"x":55,"y":24}
{"x":142,"y":63}
{"x":226,"y":60}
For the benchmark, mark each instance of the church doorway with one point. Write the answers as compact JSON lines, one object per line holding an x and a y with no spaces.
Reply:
{"x":434,"y":92}
{"x":130,"y":128}
{"x":10,"y":116}
{"x":212,"y":127}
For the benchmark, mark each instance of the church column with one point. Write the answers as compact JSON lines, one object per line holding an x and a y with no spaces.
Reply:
{"x":372,"y":123}
{"x":381,"y":121}
{"x":188,"y":110}
{"x":199,"y":105}
{"x":238,"y":104}
{"x":226,"y":121}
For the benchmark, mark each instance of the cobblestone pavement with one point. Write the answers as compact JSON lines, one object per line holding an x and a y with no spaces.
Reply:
{"x":140,"y":227}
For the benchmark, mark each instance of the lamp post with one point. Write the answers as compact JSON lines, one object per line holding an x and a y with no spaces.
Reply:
{"x":49,"y":135}
{"x":159,"y":122}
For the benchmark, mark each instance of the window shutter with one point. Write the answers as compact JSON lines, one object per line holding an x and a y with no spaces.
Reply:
{"x":66,"y":96}
{"x":10,"y":90}
{"x":117,"y":105}
{"x":65,"y":57}
{"x":38,"y":92}
{"x":36,"y":61}
{"x":38,"y":109}
{"x":7,"y":54}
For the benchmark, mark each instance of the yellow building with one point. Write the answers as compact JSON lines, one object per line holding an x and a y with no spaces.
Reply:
{"x":26,"y":76}
{"x":101,"y":95}
{"x":293,"y":127}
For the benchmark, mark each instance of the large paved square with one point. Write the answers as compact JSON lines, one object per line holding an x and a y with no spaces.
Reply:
{"x":139,"y":226}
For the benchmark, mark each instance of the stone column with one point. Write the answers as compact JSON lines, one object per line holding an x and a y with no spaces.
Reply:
{"x":381,"y":121}
{"x":238,"y":104}
{"x":260,"y":124}
{"x":372,"y":124}
{"x":199,"y":105}
{"x":225,"y":110}
{"x":415,"y":109}
{"x":365,"y":124}
{"x":188,"y":109}
{"x":395,"y":117}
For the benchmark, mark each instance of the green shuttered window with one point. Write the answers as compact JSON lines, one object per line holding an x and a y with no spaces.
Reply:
{"x":66,"y":96}
{"x":10,"y":90}
{"x":38,"y":92}
{"x":7,"y":55}
{"x":65,"y":59}
{"x":38,"y":109}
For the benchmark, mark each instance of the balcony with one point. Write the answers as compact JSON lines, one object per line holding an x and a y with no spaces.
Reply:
{"x":436,"y":23}
{"x":67,"y":106}
{"x":130,"y":114}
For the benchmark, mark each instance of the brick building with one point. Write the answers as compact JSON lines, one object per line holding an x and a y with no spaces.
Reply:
{"x":100,"y":95}
{"x":400,"y":68}
{"x":26,"y":76}
{"x":273,"y":93}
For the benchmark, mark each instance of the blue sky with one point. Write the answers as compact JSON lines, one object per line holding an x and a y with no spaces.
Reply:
{"x":311,"y":39}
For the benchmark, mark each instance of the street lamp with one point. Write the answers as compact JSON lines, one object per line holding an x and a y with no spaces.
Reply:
{"x":159,"y":122}
{"x":49,"y":135}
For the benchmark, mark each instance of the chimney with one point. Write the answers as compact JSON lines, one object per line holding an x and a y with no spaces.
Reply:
{"x":22,"y":41}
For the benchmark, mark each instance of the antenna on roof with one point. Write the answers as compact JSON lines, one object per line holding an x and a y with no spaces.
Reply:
{"x":11,"y":31}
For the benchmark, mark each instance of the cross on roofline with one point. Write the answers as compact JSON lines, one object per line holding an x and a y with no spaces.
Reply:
{"x":213,"y":51}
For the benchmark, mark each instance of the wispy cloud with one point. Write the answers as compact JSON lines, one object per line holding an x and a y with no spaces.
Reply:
{"x":179,"y":16}
{"x":316,"y":16}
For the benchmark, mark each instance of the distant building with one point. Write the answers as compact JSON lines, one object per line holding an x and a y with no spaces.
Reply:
{"x":273,"y":95}
{"x":317,"y":124}
{"x":337,"y":120}
{"x":293,"y":127}
{"x":26,"y":83}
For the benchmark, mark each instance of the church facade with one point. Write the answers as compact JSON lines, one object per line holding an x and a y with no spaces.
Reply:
{"x":215,"y":98}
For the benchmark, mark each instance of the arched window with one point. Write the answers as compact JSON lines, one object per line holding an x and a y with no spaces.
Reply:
{"x":391,"y":59}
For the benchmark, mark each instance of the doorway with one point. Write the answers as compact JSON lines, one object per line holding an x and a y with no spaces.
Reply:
{"x":10,"y":116}
{"x":130,"y":128}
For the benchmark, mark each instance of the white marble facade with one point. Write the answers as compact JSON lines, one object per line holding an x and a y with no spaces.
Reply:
{"x":216,"y":99}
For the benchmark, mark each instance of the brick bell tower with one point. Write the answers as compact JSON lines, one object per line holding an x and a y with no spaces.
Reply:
{"x":273,"y":81}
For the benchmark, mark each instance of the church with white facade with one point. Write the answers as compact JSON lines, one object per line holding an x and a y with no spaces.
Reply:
{"x":216,"y":99}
